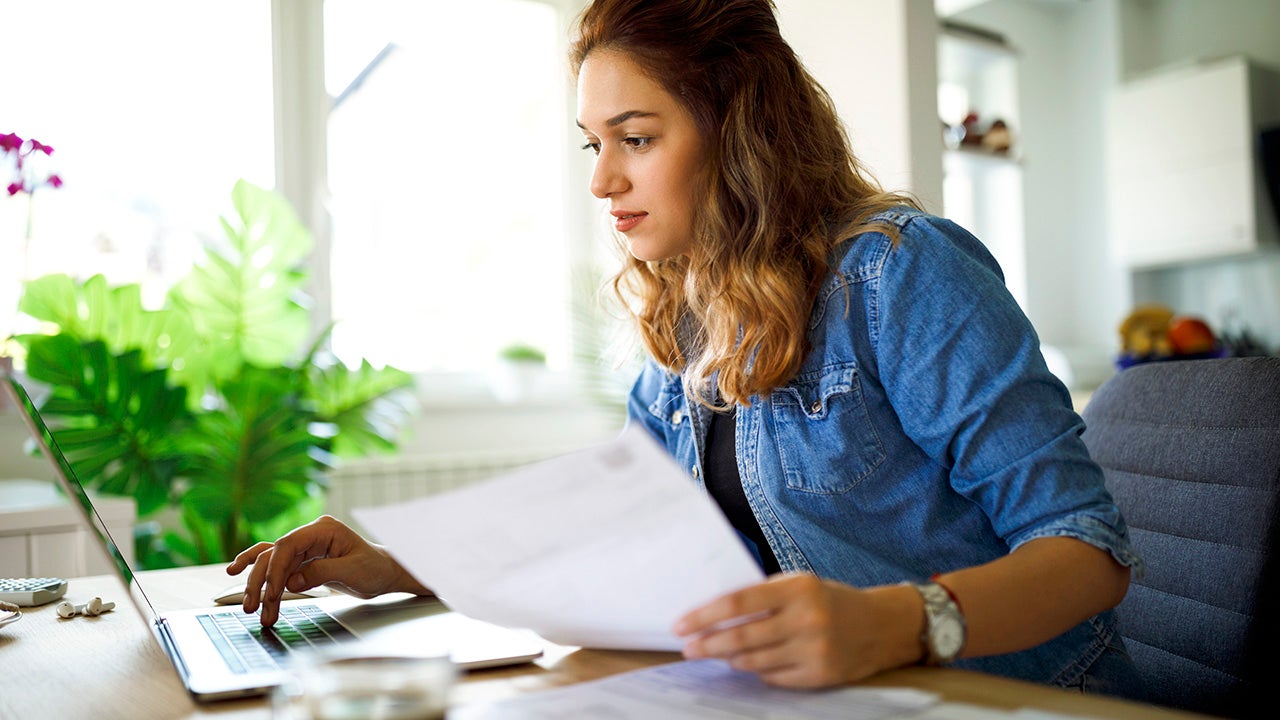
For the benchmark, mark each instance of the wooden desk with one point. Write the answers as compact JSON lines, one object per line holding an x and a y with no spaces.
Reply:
{"x":110,"y":667}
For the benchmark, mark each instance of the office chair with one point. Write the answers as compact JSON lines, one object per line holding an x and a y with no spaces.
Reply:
{"x":1191,"y":453}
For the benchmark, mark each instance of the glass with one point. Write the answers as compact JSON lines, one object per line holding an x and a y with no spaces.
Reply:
{"x":348,"y":684}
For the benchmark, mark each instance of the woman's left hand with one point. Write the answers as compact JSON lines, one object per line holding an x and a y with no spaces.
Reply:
{"x":797,"y":630}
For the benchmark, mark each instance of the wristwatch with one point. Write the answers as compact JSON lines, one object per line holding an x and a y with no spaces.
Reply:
{"x":944,"y":628}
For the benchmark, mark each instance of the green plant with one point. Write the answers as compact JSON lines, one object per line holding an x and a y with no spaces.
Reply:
{"x":212,"y":408}
{"x":522,"y":352}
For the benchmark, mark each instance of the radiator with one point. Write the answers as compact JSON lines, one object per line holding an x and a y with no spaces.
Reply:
{"x":369,"y":482}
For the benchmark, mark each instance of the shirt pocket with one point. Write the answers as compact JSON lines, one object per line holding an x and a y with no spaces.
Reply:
{"x":826,"y":442}
{"x":670,"y":407}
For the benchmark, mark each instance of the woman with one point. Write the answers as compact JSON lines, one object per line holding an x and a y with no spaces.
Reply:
{"x":845,"y":374}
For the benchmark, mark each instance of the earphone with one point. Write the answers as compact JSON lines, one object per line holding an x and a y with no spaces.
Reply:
{"x":94,"y":607}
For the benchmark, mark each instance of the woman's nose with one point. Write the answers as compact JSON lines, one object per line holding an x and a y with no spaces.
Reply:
{"x":607,"y":178}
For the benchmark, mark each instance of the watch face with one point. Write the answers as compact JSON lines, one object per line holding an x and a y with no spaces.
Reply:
{"x":948,"y":637}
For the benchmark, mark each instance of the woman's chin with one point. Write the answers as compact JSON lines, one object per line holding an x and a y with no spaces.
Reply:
{"x":653,"y":252}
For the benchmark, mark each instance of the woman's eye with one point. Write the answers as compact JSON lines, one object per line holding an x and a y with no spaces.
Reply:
{"x":594,"y":147}
{"x":637,"y":143}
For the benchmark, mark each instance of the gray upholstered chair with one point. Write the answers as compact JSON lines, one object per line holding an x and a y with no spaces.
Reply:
{"x":1191,"y":451}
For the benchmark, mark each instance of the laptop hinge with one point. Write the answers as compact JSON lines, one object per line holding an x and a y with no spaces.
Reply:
{"x":161,"y":629}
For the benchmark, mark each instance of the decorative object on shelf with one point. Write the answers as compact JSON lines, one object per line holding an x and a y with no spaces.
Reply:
{"x":997,"y":138}
{"x":972,"y":135}
{"x":212,"y":412}
{"x":1155,"y":332}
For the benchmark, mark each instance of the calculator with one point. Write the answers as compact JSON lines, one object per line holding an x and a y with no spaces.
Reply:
{"x":32,"y":591}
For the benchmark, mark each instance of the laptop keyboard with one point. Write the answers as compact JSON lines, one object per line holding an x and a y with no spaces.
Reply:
{"x":246,"y":647}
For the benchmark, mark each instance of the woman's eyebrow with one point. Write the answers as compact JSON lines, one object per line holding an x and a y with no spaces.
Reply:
{"x":621,"y":118}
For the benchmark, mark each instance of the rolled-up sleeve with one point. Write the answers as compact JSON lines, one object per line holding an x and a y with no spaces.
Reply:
{"x":962,"y":367}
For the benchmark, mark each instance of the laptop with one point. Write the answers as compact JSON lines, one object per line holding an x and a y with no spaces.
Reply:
{"x":221,"y":652}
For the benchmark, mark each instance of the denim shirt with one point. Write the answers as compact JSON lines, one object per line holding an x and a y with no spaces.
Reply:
{"x":923,"y":433}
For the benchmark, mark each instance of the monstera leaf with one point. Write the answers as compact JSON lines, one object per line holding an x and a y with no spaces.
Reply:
{"x":94,"y":310}
{"x":121,"y":423}
{"x":245,"y":298}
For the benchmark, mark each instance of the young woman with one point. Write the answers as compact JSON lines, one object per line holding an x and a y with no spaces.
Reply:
{"x":845,"y":374}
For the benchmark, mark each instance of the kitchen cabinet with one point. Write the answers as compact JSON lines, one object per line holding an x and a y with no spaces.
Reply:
{"x":42,"y":535}
{"x":1185,"y":170}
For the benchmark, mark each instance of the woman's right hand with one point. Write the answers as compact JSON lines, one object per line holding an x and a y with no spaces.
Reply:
{"x":322,"y":552}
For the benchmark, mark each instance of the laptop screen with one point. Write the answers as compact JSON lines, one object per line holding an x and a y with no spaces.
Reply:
{"x":71,"y":485}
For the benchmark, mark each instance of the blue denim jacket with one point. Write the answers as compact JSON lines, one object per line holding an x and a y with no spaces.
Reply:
{"x":922,"y":434}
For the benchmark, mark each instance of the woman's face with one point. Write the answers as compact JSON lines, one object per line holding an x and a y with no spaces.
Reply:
{"x":648,"y":154}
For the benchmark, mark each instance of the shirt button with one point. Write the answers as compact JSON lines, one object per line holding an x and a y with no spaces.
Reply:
{"x":677,"y":417}
{"x":816,"y":406}
{"x":696,"y":472}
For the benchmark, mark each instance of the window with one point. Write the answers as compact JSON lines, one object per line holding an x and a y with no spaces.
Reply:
{"x":447,"y":172}
{"x":154,"y":109}
{"x":445,"y":159}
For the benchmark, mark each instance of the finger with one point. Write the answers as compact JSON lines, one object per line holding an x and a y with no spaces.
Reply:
{"x":759,"y":599}
{"x":727,"y":642}
{"x":799,"y":676}
{"x":290,"y":552}
{"x":772,"y":659}
{"x":253,"y":583}
{"x":246,"y":557}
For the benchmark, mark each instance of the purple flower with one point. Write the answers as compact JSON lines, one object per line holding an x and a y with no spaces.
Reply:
{"x":10,"y":142}
{"x":25,"y":173}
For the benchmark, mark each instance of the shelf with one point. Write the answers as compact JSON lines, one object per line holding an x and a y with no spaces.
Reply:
{"x":982,"y":158}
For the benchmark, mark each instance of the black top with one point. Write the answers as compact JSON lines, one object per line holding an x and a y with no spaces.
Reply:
{"x":725,"y":484}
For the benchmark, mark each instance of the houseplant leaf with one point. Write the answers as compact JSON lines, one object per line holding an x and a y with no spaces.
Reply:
{"x":364,"y":404}
{"x":118,"y":419}
{"x":246,"y":299}
{"x":252,"y":459}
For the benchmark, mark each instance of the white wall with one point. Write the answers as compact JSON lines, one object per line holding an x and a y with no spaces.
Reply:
{"x":878,"y":60}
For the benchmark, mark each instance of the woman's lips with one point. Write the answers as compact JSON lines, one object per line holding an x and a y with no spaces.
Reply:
{"x":626,"y":221}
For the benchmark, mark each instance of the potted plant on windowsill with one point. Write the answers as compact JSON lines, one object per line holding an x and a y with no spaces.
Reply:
{"x":213,"y":412}
{"x":519,"y":367}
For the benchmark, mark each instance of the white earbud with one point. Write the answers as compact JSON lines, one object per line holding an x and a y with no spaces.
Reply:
{"x":93,"y":607}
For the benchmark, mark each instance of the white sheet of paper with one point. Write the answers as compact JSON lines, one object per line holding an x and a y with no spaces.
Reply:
{"x":701,"y":690}
{"x":605,"y":547}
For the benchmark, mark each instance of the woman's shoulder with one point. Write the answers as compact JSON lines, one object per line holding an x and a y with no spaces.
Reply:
{"x":904,"y":234}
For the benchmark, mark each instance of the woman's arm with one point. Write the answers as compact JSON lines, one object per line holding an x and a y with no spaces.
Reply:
{"x":1035,"y":593}
{"x":808,"y":632}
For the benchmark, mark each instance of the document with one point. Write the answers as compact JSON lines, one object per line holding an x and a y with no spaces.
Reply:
{"x":606,"y":547}
{"x":703,"y":690}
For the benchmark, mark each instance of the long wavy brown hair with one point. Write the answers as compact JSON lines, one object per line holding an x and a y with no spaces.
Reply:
{"x":783,"y":188}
